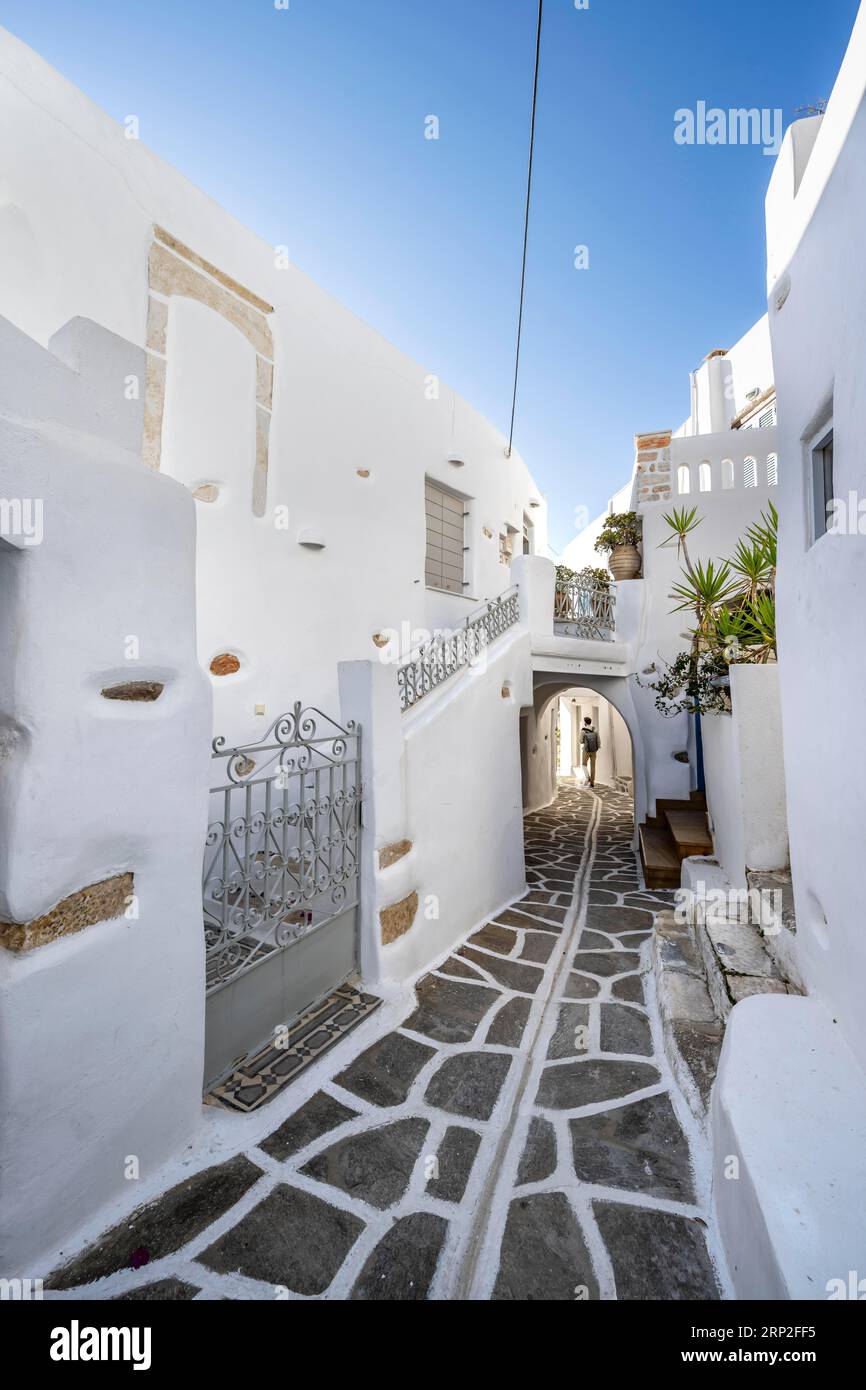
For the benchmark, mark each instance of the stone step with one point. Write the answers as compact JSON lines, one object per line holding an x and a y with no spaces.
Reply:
{"x":691,"y":1028}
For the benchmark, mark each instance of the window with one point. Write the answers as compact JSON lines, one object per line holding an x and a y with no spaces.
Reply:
{"x":767,"y":417}
{"x":506,"y":545}
{"x":705,"y":477}
{"x":750,"y":472}
{"x":822,"y":482}
{"x":684,"y":481}
{"x":772,"y":470}
{"x":528,"y":542}
{"x":446,"y":529}
{"x":727,"y":474}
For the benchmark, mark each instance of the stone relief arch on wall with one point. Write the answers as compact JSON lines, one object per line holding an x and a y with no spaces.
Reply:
{"x":174,"y":269}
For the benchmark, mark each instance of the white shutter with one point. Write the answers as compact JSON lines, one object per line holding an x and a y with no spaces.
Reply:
{"x":444,"y":567}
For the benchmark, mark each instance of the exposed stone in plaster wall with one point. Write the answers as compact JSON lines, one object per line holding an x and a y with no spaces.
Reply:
{"x":175,"y":269}
{"x":390,"y":854}
{"x":170,"y":275}
{"x":225,"y":664}
{"x":189,"y":255}
{"x":653,"y":465}
{"x":207,"y":492}
{"x":260,"y":470}
{"x":134,"y":690}
{"x":157,"y":324}
{"x":661,"y":440}
{"x":264,"y":382}
{"x":397,"y":919}
{"x":99,"y":902}
{"x":154,"y":404}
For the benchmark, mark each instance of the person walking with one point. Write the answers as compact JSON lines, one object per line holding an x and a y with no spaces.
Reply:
{"x":590,"y":743}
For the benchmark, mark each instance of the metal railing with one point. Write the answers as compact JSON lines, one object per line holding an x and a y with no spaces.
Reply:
{"x":449,"y":652}
{"x":282,"y":848}
{"x":584,"y":610}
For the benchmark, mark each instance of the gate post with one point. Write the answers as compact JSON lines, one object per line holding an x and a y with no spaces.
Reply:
{"x":369,"y":695}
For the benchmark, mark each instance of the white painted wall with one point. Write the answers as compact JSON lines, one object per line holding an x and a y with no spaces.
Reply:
{"x":101,"y":1031}
{"x":719,"y":389}
{"x":745,"y":775}
{"x":447,"y":777}
{"x":817,"y":318}
{"x":77,"y":204}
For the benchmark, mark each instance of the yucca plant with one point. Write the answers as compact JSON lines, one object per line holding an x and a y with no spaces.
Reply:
{"x":733,"y":602}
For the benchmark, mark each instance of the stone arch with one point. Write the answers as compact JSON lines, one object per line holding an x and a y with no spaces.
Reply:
{"x":174,"y":269}
{"x":548,"y":686}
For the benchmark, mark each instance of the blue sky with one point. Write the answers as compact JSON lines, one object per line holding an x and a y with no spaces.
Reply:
{"x":308,"y":125}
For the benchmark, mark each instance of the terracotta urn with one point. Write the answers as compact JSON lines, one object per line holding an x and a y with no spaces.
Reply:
{"x":624,"y":562}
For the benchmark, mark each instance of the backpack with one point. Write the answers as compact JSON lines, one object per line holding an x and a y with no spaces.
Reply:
{"x":590,"y":740}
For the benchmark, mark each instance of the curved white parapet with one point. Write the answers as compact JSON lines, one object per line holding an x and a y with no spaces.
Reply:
{"x":808,"y":156}
{"x":789,"y":1138}
{"x":535,"y":578}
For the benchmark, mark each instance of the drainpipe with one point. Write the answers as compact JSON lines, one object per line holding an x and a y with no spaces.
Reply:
{"x":699,"y":752}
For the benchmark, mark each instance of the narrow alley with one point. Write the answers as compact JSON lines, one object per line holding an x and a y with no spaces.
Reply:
{"x":518,"y":1136}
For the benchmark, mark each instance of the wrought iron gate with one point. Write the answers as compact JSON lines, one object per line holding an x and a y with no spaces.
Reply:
{"x":282,"y":852}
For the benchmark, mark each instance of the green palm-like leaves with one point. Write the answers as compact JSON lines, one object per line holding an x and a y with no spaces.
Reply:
{"x":705,"y":587}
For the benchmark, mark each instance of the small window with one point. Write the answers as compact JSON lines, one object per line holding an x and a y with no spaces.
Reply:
{"x":445,"y":564}
{"x":506,"y":546}
{"x":772,"y":470}
{"x":822,"y":483}
{"x":767,"y":418}
{"x":528,"y":539}
{"x":705,"y":477}
{"x":750,"y":472}
{"x":727,"y":474}
{"x":684,"y":479}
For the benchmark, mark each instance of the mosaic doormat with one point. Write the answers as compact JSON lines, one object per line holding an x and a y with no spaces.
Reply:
{"x":263,"y":1074}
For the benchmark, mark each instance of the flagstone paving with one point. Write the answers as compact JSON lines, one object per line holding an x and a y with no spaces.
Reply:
{"x":516,"y":1137}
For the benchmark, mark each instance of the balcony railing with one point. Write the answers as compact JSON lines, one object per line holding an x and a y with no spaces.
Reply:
{"x":584,"y":610}
{"x":449,"y":652}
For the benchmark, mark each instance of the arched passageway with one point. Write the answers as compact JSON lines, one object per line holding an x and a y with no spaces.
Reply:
{"x":551,"y":753}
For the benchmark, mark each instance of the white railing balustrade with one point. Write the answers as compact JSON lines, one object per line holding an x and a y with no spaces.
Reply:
{"x":584,"y":610}
{"x":449,"y":652}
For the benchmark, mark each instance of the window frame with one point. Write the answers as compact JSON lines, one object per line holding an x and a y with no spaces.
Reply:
{"x":821,"y":466}
{"x":459,"y":588}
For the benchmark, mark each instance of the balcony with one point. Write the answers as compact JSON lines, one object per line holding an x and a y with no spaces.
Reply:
{"x":575,"y":626}
{"x":584,"y":610}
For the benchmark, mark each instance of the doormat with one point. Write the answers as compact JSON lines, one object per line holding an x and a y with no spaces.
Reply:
{"x":265,"y":1072}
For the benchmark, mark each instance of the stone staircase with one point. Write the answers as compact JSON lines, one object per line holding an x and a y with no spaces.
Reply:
{"x":706,"y":962}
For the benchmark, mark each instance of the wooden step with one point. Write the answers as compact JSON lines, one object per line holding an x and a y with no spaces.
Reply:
{"x":689,"y":832}
{"x":695,"y":804}
{"x":659,"y":857}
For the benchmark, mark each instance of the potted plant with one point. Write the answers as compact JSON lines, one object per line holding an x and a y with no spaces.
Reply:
{"x":593,"y":578}
{"x":620,"y":538}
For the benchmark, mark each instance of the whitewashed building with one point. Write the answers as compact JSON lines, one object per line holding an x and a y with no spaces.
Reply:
{"x":262,"y":480}
{"x":230,"y":510}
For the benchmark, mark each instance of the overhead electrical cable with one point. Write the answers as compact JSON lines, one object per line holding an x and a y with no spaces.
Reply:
{"x":525,"y":226}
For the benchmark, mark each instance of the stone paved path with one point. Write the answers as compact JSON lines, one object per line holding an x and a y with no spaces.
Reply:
{"x":516,"y":1137}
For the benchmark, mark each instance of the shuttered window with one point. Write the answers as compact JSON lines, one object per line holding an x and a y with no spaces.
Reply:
{"x":446,"y":528}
